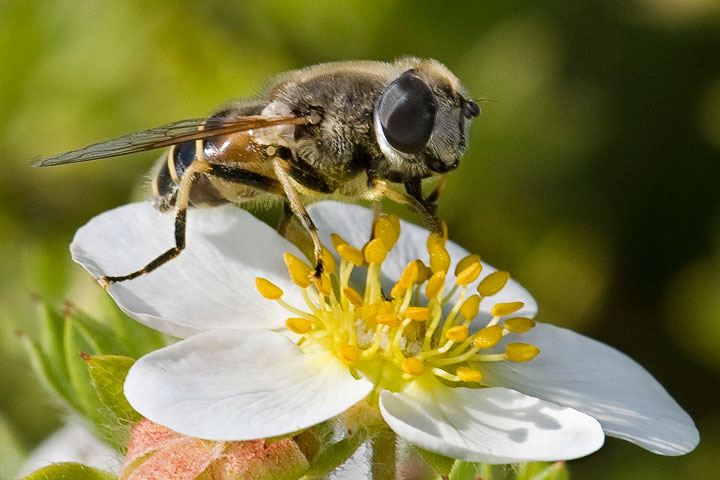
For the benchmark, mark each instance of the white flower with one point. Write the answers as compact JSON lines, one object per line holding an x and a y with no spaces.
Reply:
{"x":465,"y":392}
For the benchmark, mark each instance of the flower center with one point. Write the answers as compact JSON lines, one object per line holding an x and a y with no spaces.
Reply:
{"x":404,"y":336}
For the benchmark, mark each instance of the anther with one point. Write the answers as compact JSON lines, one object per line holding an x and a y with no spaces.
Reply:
{"x":337,"y":240}
{"x":424,"y":272}
{"x":385,"y":231}
{"x":470,"y":307}
{"x":469,"y":274}
{"x":412,"y":366}
{"x":435,"y":284}
{"x":493,"y":283}
{"x":502,"y":309}
{"x":388,"y":319}
{"x":353,"y":296}
{"x":467,"y":374}
{"x":323,"y":285}
{"x":519,"y":324}
{"x":350,"y":254}
{"x":375,"y":251}
{"x":419,"y":314}
{"x":466,"y":262}
{"x":268,"y":289}
{"x":299,"y":271}
{"x":348,"y":353}
{"x":435,"y":240}
{"x":298,"y":325}
{"x":457,"y":334}
{"x":521,"y":352}
{"x":328,"y":261}
{"x":439,"y":260}
{"x":409,"y":275}
{"x":488,"y":337}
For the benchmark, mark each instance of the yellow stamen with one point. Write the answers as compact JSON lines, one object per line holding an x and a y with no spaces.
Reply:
{"x":395,"y":221}
{"x":457,"y":333}
{"x":470,"y":307}
{"x":488,"y":337}
{"x":388,"y":319}
{"x":412,"y":366}
{"x":375,"y":251}
{"x":409,"y":275}
{"x":299,"y":271}
{"x":502,"y":309}
{"x":298,"y":325}
{"x":328,"y":261}
{"x":519,"y":324}
{"x":350,"y":254}
{"x":468,"y":374}
{"x":268,"y":289}
{"x":439,"y":260}
{"x":337,"y":240}
{"x":469,"y":274}
{"x":435,"y":285}
{"x":384,"y":229}
{"x":521,"y":352}
{"x":423,"y":272}
{"x":353,"y":297}
{"x":466,"y":262}
{"x":323,"y":284}
{"x":493,"y":283}
{"x":419,"y":314}
{"x":435,"y":240}
{"x":348,"y":353}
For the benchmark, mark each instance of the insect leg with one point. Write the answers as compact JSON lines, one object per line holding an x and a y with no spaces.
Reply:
{"x":181,"y":205}
{"x":413,"y":198}
{"x":285,"y":220}
{"x":280,"y":168}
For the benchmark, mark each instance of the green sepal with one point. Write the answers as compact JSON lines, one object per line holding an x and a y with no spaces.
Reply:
{"x":542,"y":471}
{"x":107,"y":374}
{"x":69,"y":471}
{"x":440,"y":463}
{"x":464,"y":470}
{"x":76,"y":342}
{"x":133,"y":339}
{"x":332,"y":456}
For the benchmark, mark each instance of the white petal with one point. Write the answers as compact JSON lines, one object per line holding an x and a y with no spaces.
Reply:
{"x":210,"y":285}
{"x":594,"y":378}
{"x":354,"y":223}
{"x":491,"y":425}
{"x":72,"y":443}
{"x":240,"y":385}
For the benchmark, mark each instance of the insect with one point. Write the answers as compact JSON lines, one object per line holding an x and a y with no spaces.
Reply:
{"x":344,"y":130}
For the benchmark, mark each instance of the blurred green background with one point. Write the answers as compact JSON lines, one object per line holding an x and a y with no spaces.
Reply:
{"x":593,"y":176}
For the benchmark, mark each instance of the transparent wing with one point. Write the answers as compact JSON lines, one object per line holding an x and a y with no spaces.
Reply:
{"x":170,"y":134}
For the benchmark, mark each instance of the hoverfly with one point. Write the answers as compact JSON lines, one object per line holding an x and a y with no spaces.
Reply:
{"x":341,"y":129}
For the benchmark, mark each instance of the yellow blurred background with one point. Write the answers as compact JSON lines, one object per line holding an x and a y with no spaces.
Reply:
{"x":593,"y":175}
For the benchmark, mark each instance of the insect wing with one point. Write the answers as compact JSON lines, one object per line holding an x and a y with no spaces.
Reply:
{"x":170,"y":134}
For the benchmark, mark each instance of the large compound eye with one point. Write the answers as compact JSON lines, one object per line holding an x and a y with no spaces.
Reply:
{"x":407,"y":113}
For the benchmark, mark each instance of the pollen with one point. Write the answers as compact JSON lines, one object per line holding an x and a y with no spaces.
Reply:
{"x":503,"y":309}
{"x":467,"y":374}
{"x":493,"y":283}
{"x":419,"y":314}
{"x":519,"y":324}
{"x":299,"y":271}
{"x":268,"y":289}
{"x":400,"y":336}
{"x":299,"y":325}
{"x":412,"y":366}
{"x":470,"y":307}
{"x":488,"y":336}
{"x":350,"y":254}
{"x":457,"y":334}
{"x":348,"y":353}
{"x":469,"y":274}
{"x":375,"y":251}
{"x":521,"y":352}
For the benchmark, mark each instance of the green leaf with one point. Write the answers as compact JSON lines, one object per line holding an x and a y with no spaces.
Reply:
{"x":42,"y":365}
{"x":335,"y":455}
{"x":107,"y":374}
{"x":464,"y":470}
{"x":542,"y":471}
{"x":69,"y":471}
{"x":75,"y":343}
{"x":440,"y":463}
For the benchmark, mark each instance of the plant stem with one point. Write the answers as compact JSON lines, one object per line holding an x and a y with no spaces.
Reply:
{"x":384,"y":456}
